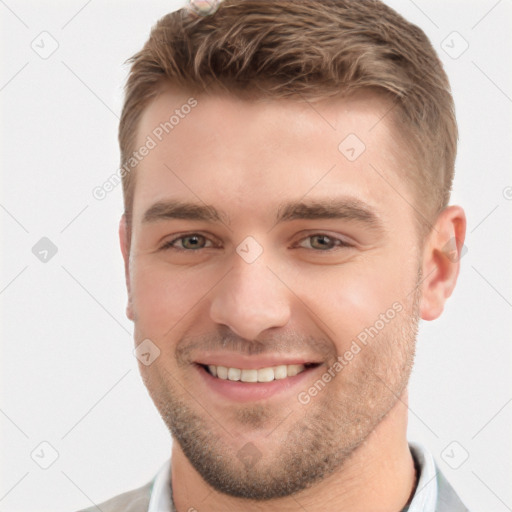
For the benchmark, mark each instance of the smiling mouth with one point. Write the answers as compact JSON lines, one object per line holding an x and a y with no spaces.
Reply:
{"x":267,"y":374}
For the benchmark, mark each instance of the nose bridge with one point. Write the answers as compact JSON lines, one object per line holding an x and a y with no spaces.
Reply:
{"x":250,"y":299}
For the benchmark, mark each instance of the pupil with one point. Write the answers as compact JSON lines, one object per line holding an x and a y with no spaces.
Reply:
{"x":322,"y":239}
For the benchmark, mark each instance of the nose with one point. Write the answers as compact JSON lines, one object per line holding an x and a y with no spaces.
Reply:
{"x":250,"y":299}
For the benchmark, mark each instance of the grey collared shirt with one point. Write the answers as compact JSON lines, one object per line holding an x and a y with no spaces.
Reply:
{"x":433,"y":492}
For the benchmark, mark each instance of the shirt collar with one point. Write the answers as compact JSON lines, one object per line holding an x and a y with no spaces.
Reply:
{"x":424,"y":500}
{"x":425,"y":495}
{"x":161,"y":500}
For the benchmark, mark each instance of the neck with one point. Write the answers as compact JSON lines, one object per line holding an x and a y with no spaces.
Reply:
{"x":379,"y":476}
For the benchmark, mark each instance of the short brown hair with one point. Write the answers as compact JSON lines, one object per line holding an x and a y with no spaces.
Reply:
{"x":308,"y":48}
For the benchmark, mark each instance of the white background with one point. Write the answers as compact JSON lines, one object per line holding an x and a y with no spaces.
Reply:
{"x":68,"y":374}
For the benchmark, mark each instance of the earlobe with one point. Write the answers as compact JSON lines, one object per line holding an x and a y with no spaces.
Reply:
{"x":124,"y":241}
{"x":441,"y":261}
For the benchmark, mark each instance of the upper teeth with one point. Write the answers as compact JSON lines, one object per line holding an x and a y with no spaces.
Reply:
{"x":260,"y":375}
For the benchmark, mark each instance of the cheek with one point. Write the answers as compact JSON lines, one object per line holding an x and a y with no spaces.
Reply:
{"x":353,"y":298}
{"x":161,"y":298}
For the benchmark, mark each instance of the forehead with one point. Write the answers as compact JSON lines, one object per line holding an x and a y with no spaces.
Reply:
{"x":251,"y":153}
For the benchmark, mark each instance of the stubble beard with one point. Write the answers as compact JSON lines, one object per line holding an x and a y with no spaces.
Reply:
{"x":320,"y":438}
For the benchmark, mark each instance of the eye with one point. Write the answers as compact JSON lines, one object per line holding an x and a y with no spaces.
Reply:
{"x":189,"y":242}
{"x":324,"y":243}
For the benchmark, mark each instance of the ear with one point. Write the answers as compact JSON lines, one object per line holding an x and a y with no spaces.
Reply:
{"x":441,"y":260}
{"x":124,"y":240}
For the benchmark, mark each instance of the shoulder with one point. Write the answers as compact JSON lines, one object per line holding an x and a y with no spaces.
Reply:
{"x":136,"y":500}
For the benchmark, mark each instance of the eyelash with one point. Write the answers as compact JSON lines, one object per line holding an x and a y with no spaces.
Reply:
{"x":339,"y":243}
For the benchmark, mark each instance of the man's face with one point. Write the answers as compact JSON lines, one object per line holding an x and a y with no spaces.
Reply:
{"x":273,"y":283}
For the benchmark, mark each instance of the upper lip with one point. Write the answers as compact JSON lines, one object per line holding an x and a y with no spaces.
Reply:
{"x":251,"y":362}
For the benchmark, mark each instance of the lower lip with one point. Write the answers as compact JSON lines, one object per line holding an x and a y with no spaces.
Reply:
{"x":251,"y":391}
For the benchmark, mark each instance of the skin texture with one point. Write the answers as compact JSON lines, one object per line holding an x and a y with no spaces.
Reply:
{"x":346,"y":449}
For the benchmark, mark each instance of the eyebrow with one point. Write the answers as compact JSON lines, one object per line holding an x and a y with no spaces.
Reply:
{"x":350,"y":209}
{"x":343,"y":208}
{"x":164,"y":210}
